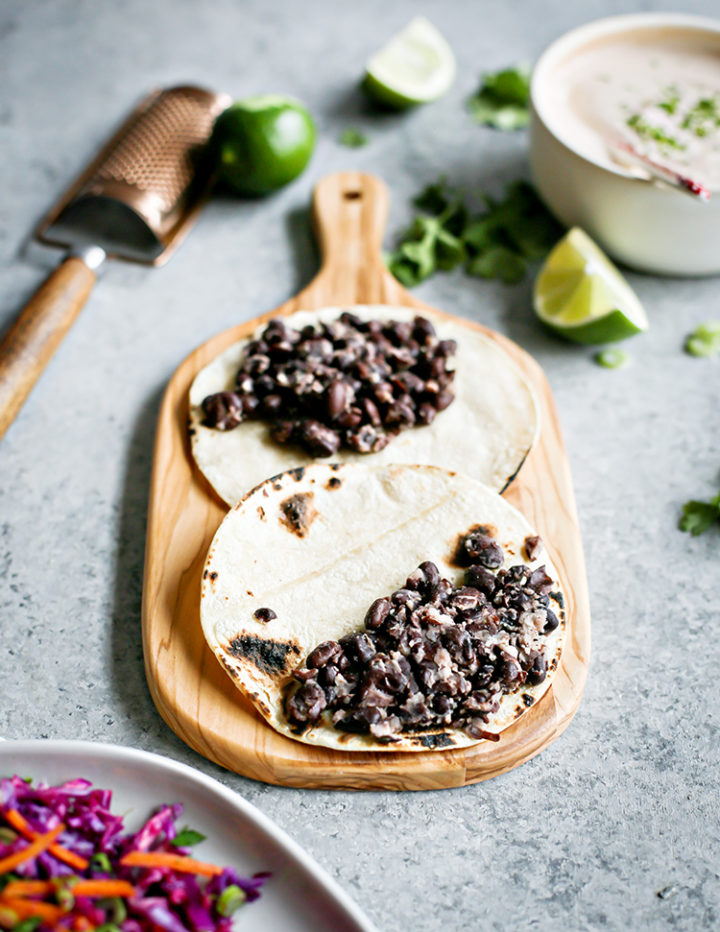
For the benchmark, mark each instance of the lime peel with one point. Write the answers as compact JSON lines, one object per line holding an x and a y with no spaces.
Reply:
{"x":582,"y":296}
{"x":416,"y":66}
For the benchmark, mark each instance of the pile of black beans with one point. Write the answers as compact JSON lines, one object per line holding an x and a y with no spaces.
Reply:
{"x":433,"y":655}
{"x":350,"y":383}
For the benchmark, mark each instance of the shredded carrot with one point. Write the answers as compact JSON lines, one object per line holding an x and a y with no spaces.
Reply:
{"x":102,"y":888}
{"x":83,"y":924}
{"x":26,"y":909}
{"x":28,"y":888}
{"x":177,"y":862}
{"x":36,"y":847}
{"x":19,"y":823}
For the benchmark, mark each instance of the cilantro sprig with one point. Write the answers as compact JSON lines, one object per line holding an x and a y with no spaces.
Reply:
{"x":502,"y":100}
{"x":697,"y":517}
{"x":352,"y":138}
{"x":496,"y":243}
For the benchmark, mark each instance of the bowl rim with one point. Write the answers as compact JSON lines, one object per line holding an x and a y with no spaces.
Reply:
{"x":599,"y":28}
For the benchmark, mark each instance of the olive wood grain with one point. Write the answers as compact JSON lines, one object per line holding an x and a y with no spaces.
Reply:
{"x":36,"y":334}
{"x":193,"y":693}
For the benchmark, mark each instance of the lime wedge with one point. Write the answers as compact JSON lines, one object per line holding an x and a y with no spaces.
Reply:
{"x":416,"y":66}
{"x":582,"y":296}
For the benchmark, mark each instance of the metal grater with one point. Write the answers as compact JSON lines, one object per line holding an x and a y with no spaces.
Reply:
{"x":136,"y":201}
{"x":138,"y":198}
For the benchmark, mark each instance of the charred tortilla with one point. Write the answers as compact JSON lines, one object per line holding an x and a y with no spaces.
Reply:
{"x":300,"y":560}
{"x":486,"y":431}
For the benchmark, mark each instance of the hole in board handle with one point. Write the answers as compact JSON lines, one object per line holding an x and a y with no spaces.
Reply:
{"x":352,"y":195}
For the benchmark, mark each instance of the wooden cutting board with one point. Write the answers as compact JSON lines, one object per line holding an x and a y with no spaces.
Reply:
{"x":190,"y":689}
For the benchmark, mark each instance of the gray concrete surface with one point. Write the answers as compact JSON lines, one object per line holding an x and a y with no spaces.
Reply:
{"x":625,"y":804}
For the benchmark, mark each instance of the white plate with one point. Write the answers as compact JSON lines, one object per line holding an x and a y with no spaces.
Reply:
{"x":299,"y":897}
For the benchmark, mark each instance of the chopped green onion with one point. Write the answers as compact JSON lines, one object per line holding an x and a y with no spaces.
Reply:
{"x":704,"y":340}
{"x":612,"y":358}
{"x":230,"y":899}
{"x":101,"y":862}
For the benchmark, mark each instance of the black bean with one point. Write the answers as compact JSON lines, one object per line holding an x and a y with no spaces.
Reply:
{"x":400,"y":414}
{"x":327,"y":675}
{"x":377,"y":613}
{"x":224,"y":410}
{"x":366,"y":439}
{"x":306,"y":704}
{"x":538,"y":671}
{"x":423,"y":330}
{"x":352,"y":320}
{"x":540,"y":581}
{"x":481,"y":578}
{"x":551,"y":622}
{"x":272,"y":404}
{"x":483,"y":549}
{"x":282,"y":432}
{"x":446,"y":348}
{"x":250,"y":404}
{"x":337,"y":396}
{"x":426,"y":413}
{"x":444,"y":399}
{"x":432,"y":577}
{"x":351,"y":418}
{"x":264,"y":615}
{"x":324,"y":652}
{"x":319,"y":440}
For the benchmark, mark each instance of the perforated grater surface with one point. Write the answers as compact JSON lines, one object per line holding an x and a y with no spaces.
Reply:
{"x":140,"y":195}
{"x":136,"y":201}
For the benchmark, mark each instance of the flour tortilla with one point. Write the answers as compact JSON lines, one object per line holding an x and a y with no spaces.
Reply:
{"x":486,"y":432}
{"x":318,"y":546}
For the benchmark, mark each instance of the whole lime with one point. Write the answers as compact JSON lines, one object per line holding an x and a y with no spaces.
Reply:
{"x":262,"y":143}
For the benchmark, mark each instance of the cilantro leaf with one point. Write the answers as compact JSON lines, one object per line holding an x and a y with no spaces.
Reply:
{"x":434,"y":199}
{"x":187,"y":837}
{"x":353,"y":138}
{"x":697,"y":517}
{"x":502,"y":99}
{"x":497,"y":243}
{"x":498,"y":262}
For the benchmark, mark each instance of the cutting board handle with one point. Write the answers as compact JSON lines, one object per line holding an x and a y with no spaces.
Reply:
{"x":350,"y":211}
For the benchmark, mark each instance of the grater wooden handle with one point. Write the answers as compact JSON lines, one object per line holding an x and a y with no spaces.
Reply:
{"x":31,"y":341}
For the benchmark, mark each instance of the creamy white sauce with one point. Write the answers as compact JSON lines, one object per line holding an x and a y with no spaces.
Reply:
{"x":656,"y":90}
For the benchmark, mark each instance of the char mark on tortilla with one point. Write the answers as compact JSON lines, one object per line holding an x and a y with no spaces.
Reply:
{"x":268,"y":655}
{"x":436,"y":741}
{"x":298,"y":512}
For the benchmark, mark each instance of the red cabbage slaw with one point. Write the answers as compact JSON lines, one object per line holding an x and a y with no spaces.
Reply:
{"x":58,"y":839}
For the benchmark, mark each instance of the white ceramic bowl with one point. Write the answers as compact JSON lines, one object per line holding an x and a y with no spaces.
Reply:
{"x":640,"y":223}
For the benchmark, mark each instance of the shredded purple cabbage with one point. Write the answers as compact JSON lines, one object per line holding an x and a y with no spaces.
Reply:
{"x":165,"y":899}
